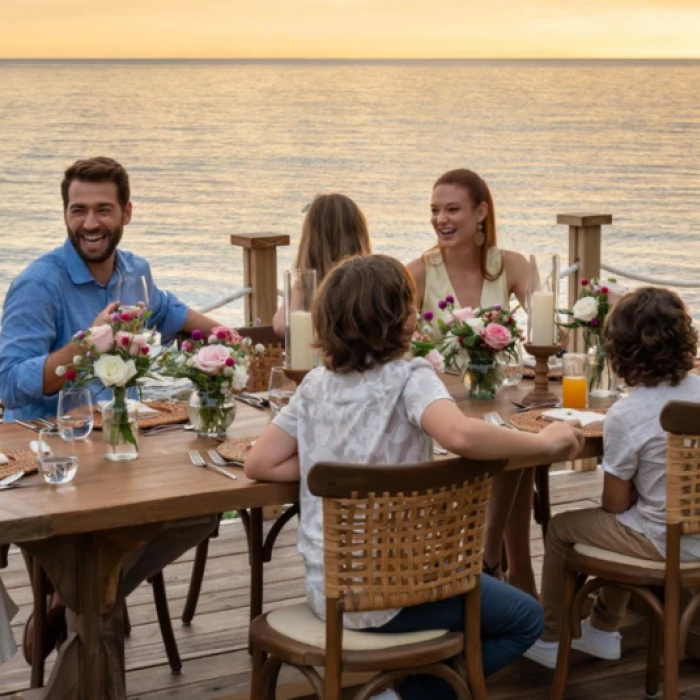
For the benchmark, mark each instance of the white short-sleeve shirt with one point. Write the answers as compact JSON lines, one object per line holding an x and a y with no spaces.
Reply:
{"x":634,"y":446}
{"x":373,"y":417}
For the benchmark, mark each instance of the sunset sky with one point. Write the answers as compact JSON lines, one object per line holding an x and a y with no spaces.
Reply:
{"x":349,"y":28}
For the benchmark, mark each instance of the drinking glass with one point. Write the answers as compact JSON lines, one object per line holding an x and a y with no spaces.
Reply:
{"x":75,"y":411}
{"x":130,"y":290}
{"x":512,"y":365}
{"x":574,"y":388}
{"x":56,"y":455}
{"x":281,"y":389}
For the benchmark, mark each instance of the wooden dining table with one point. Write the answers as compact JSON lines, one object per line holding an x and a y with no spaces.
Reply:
{"x":82,"y":532}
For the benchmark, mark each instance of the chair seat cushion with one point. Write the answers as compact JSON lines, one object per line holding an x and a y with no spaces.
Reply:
{"x":300,"y":623}
{"x":588,"y":550}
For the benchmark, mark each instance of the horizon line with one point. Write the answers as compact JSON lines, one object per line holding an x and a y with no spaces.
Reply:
{"x":305,"y":59}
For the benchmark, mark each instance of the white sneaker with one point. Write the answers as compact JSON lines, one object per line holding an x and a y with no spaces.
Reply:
{"x":604,"y":645}
{"x":543,"y":653}
{"x":387,"y":694}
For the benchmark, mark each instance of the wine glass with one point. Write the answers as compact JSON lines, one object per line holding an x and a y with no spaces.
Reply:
{"x":75,"y":411}
{"x":281,"y":389}
{"x":131,"y":292}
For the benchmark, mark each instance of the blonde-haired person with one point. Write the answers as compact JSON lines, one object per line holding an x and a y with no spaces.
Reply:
{"x":467,"y":264}
{"x":368,"y":405}
{"x":334,"y":228}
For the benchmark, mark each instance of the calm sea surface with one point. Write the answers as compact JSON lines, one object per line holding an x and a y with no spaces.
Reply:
{"x":215,"y":148}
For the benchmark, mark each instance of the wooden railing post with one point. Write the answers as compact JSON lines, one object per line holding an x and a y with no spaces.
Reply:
{"x":260,"y":273}
{"x":585,"y":235}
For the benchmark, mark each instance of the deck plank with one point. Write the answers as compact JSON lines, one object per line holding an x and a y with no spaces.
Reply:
{"x":216,"y":664}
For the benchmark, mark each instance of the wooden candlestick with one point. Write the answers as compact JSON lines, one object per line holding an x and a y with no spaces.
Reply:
{"x":541,"y":393}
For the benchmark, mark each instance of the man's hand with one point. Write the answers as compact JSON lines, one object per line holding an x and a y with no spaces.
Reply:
{"x":564,"y":441}
{"x":104,"y":315}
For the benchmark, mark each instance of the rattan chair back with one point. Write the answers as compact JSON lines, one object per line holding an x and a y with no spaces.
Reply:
{"x":273,"y":355}
{"x":397,"y":536}
{"x":681,"y":420}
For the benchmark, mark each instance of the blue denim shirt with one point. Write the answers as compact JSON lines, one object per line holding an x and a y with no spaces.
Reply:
{"x":50,"y":301}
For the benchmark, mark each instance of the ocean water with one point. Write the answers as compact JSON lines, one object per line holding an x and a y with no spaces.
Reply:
{"x":221,"y":147}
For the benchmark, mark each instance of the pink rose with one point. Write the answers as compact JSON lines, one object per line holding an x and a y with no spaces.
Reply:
{"x":211,"y":358}
{"x":496,"y":336}
{"x":436,"y":360}
{"x":465,"y":313}
{"x":227,"y":335}
{"x":102,"y":337}
{"x":138,"y":343}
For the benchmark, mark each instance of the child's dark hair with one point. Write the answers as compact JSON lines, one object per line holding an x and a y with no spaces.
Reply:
{"x":360,"y":313}
{"x":650,"y":338}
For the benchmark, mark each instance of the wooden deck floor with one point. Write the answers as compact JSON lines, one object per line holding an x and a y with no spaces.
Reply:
{"x":213,"y":649}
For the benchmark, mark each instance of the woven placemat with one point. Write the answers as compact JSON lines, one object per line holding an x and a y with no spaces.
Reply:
{"x":19,"y":459}
{"x":555,"y":374}
{"x":168,"y":413}
{"x":532,"y":422}
{"x":235,"y":448}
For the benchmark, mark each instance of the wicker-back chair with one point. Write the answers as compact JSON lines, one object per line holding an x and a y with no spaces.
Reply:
{"x":394,"y":536}
{"x":681,"y":421}
{"x":262,"y":364}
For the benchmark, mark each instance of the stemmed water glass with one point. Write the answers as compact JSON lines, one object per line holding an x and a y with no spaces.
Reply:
{"x":281,"y":389}
{"x":75,"y":411}
{"x":130,"y":291}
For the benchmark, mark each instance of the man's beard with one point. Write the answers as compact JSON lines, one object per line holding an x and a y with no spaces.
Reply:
{"x":113,"y":240}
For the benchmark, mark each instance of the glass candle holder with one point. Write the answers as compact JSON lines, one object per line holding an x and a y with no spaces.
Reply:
{"x":299,"y":292}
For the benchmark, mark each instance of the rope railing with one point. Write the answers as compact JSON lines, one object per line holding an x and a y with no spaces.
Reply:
{"x":644,"y":278}
{"x":238,"y":294}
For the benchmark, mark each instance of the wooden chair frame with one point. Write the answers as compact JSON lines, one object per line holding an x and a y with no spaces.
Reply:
{"x":394,"y":536}
{"x":681,"y":421}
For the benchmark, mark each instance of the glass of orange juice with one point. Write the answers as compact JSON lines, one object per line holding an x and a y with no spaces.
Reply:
{"x":574,"y":390}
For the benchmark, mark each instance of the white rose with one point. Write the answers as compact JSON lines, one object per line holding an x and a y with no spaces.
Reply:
{"x":240,"y":377}
{"x":212,"y":340}
{"x":111,"y":370}
{"x":476,"y":323}
{"x":180,"y":360}
{"x":586,"y":309}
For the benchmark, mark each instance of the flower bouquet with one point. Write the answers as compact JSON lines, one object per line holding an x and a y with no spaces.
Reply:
{"x":473,"y":339}
{"x":589,"y":314}
{"x":116,"y":354}
{"x":218,"y":366}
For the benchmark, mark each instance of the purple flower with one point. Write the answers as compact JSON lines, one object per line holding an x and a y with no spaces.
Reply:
{"x":115,"y":318}
{"x":88,"y":354}
{"x":126,"y":316}
{"x":497,"y":307}
{"x":595,"y":322}
{"x":605,"y":290}
{"x":230,"y":362}
{"x":186,"y":346}
{"x":222,"y":335}
{"x":80,"y":335}
{"x":428,"y":315}
{"x":450,"y":299}
{"x":139,"y":314}
{"x":442,"y":304}
{"x":197,"y":335}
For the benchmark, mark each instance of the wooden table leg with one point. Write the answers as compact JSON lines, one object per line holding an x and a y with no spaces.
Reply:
{"x":85,"y":570}
{"x":256,"y":566}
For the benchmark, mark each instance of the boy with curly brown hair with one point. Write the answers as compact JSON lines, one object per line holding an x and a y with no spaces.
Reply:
{"x":652,"y":344}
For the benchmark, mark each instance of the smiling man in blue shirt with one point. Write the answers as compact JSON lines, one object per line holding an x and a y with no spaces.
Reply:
{"x":73,"y":287}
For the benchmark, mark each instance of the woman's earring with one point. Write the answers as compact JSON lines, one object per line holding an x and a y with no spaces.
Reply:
{"x":479,"y":237}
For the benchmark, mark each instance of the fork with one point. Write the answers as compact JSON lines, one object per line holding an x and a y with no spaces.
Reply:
{"x":495,"y":419}
{"x":215,"y":457}
{"x":197,"y":460}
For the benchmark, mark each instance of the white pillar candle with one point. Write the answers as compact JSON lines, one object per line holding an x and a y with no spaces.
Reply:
{"x":301,"y":336}
{"x":542,"y":310}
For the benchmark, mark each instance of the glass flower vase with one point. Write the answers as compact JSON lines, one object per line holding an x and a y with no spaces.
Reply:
{"x":602,"y":381}
{"x":120,"y":428}
{"x":482,"y":378}
{"x":211,"y":412}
